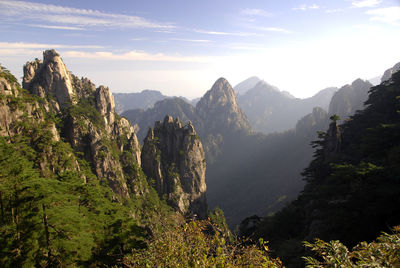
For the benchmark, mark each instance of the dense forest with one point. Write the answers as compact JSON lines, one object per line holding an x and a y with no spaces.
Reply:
{"x":77,"y":189}
{"x":352,"y":184}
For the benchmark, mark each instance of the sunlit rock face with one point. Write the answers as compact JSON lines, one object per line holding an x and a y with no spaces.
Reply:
{"x":173,"y":160}
{"x":89,"y":122}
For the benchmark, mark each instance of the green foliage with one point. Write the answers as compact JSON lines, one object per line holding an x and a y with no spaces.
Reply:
{"x":334,"y":118}
{"x":82,"y":221}
{"x":83,"y":110}
{"x":5,"y":73}
{"x":384,"y":252}
{"x":351,"y":193}
{"x":197,"y":244}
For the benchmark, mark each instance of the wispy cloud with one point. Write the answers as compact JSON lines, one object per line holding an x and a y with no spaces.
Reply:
{"x":306,"y":7}
{"x":95,"y":52}
{"x":192,"y":40}
{"x":133,"y":55}
{"x":366,"y":3}
{"x":256,"y":12}
{"x":56,"y":27}
{"x":138,"y":39}
{"x":273,"y":29}
{"x":389,"y":15}
{"x":225,"y":33}
{"x":19,"y":45}
{"x":71,"y":18}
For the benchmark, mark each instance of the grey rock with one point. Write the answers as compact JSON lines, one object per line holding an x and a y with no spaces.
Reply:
{"x":51,"y":80}
{"x":388,"y":73}
{"x":173,"y":159}
{"x":49,"y":77}
{"x":245,"y":85}
{"x":349,"y":98}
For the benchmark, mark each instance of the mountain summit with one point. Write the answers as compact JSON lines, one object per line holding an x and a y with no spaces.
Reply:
{"x":245,"y":85}
{"x":219,"y":110}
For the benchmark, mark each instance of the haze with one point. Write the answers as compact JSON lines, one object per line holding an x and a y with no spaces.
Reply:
{"x":182,"y":47}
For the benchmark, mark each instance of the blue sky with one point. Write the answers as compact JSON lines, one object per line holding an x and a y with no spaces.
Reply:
{"x":182,"y":47}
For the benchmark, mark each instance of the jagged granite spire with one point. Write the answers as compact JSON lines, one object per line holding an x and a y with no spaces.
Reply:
{"x":90,"y":125}
{"x":219,"y":108}
{"x":49,"y":77}
{"x":173,"y":159}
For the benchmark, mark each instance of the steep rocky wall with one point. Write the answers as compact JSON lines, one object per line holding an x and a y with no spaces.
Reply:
{"x":173,"y":160}
{"x":89,"y":122}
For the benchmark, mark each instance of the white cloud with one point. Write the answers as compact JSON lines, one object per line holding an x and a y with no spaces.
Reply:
{"x":77,"y":51}
{"x":72,"y":17}
{"x":192,"y":40}
{"x":138,"y":39}
{"x":256,"y":12}
{"x":388,"y":14}
{"x":306,"y":7}
{"x":366,"y":3}
{"x":57,"y":27}
{"x":225,"y":33}
{"x":134,"y":55}
{"x":273,"y":29}
{"x":22,"y":45}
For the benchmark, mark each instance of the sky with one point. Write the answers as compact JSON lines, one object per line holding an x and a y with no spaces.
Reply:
{"x":181,"y":47}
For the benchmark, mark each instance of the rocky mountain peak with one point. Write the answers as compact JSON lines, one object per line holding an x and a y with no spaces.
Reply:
{"x":358,"y":83}
{"x":221,"y":93}
{"x":173,"y":159}
{"x":349,"y":98}
{"x":49,"y":77}
{"x":247,"y":84}
{"x":105,"y":104}
{"x":318,"y":118}
{"x":332,"y":140}
{"x":219,"y":108}
{"x":388,"y":73}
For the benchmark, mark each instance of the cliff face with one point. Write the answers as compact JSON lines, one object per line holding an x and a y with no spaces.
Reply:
{"x":49,"y":78}
{"x":389,"y":72}
{"x":88,"y":120}
{"x":350,"y":98}
{"x":219,"y":111}
{"x":219,"y":119}
{"x":175,"y":107}
{"x":173,"y":158}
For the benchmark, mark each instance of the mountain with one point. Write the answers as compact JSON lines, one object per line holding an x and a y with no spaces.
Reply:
{"x":375,"y":80}
{"x":141,"y":100}
{"x":219,"y":117}
{"x":389,"y":72}
{"x":175,"y":107}
{"x":259,"y":174}
{"x":349,"y":98}
{"x":270,"y":110}
{"x":173,"y":157}
{"x":245,"y":85}
{"x":352,"y":184}
{"x":246,"y":173}
{"x":72,"y":188}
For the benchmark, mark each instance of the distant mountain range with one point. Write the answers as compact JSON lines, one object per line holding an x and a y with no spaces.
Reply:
{"x":271,"y":110}
{"x":247,"y":173}
{"x":250,"y":173}
{"x":142,"y":100}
